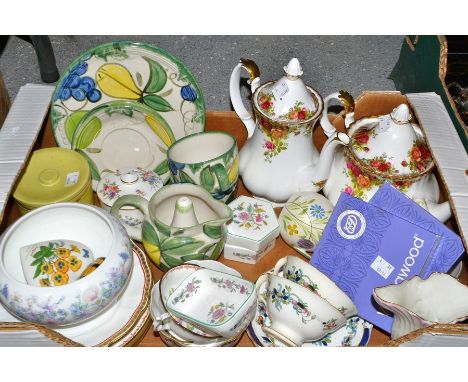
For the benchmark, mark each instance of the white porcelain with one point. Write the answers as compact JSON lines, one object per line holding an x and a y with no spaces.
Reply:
{"x":279,"y":157}
{"x":136,"y":181}
{"x":417,"y":303}
{"x":297,"y":314}
{"x":303,"y":219}
{"x":254,"y":224}
{"x":387,"y":147}
{"x":121,"y":323}
{"x":83,"y":299}
{"x":302,"y":273}
{"x":54,"y":262}
{"x":220,"y":303}
{"x":170,"y":329}
{"x":244,"y":255}
{"x":356,"y":331}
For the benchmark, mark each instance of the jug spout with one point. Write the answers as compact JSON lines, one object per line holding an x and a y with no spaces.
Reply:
{"x":317,"y":177}
{"x":441,"y":212}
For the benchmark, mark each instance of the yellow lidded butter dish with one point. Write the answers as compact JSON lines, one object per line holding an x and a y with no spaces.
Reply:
{"x":54,"y":175}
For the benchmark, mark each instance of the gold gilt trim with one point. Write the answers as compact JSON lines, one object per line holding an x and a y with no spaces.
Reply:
{"x":347,"y":101}
{"x":412,"y":43}
{"x":166,"y":337}
{"x":279,"y":124}
{"x":142,"y":307}
{"x":49,"y":333}
{"x":447,"y":329}
{"x":251,"y":67}
{"x":320,"y":184}
{"x":369,"y":170}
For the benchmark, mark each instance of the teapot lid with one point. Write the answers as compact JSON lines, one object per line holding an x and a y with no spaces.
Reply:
{"x":391,"y":144}
{"x":288,"y":99}
{"x":136,"y":181}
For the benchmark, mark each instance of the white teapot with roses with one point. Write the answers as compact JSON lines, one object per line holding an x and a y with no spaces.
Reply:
{"x":382,"y":148}
{"x":279,"y":158}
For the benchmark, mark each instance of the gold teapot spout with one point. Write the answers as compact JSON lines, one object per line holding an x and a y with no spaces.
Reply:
{"x":252,"y":68}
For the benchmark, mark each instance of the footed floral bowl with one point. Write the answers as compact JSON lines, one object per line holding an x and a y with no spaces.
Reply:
{"x":69,"y":304}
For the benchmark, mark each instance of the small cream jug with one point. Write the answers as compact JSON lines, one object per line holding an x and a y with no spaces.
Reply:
{"x":279,"y":157}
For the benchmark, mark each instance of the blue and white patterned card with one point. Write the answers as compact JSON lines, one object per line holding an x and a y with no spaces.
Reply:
{"x":364,"y":247}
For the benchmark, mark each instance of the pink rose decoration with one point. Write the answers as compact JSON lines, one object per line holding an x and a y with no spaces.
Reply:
{"x":244,"y":216}
{"x":269,"y":145}
{"x":348,"y":190}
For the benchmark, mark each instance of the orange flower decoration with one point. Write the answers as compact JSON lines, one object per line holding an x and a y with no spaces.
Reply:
{"x":75,"y":263}
{"x":61,"y":265}
{"x":47,"y":268}
{"x":277,"y":133}
{"x":44,"y":282}
{"x":363,"y":181}
{"x":74,"y":248}
{"x":62,"y":252}
{"x":416,"y":153}
{"x":60,"y":278}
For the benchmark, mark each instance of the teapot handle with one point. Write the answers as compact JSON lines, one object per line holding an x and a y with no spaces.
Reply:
{"x":348,"y":102}
{"x":131,"y":200}
{"x":234,"y":90}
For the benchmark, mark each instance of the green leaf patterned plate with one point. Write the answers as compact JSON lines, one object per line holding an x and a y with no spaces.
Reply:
{"x":127,"y":71}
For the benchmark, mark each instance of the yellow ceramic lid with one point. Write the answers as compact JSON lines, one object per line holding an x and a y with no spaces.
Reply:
{"x":52,"y":175}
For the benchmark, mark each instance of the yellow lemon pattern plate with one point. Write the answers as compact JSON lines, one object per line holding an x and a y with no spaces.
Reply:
{"x":128,"y":71}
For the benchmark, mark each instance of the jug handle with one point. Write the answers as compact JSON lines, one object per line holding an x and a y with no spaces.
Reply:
{"x":234,"y":90}
{"x":347,"y":101}
{"x":135,"y":201}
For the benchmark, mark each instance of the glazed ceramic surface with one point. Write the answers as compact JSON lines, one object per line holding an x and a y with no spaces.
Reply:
{"x":297,"y":314}
{"x":136,"y":181}
{"x":120,"y":325}
{"x":208,"y":159}
{"x":123,"y":135}
{"x":417,"y":303}
{"x":356,"y":331}
{"x":387,"y":147}
{"x":279,"y":157}
{"x":83,"y":299}
{"x":54,"y":262}
{"x":254,"y":224}
{"x":302,"y":273}
{"x":168,"y":245}
{"x":53,"y":175}
{"x":221,"y":303}
{"x":127,"y":71}
{"x":303,"y":219}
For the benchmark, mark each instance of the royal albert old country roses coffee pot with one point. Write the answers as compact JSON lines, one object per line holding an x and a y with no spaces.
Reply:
{"x":279,"y":157}
{"x":382,"y":148}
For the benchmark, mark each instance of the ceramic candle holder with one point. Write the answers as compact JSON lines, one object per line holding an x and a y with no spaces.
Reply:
{"x":297,"y":314}
{"x":208,"y":159}
{"x":418,"y":303}
{"x":54,"y":262}
{"x":303,"y":219}
{"x":302,"y":273}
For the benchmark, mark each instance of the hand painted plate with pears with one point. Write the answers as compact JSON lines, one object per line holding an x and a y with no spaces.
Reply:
{"x":134,"y":72}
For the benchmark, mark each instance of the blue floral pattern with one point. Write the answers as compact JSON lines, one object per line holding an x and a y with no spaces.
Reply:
{"x":283,"y":296}
{"x":317,"y":211}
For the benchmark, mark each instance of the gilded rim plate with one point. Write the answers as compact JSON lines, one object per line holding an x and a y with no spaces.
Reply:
{"x":356,"y":332}
{"x":123,"y":135}
{"x":127,"y":71}
{"x":123,"y":323}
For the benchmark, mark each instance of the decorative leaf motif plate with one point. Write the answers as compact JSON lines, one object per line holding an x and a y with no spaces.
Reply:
{"x":127,"y":71}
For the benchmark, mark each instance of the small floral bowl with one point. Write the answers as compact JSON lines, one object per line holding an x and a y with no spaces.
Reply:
{"x":69,"y":304}
{"x":303,"y":219}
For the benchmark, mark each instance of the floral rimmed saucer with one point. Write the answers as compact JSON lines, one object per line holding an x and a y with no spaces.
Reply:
{"x":356,"y":332}
{"x":130,"y":71}
{"x":125,"y":323}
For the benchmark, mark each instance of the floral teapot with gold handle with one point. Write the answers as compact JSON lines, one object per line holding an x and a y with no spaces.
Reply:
{"x":382,"y":148}
{"x":279,"y":157}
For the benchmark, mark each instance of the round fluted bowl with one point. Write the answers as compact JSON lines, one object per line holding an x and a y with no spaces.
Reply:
{"x":78,"y":301}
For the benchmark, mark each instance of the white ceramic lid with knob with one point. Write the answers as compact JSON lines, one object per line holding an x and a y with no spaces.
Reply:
{"x":127,"y":182}
{"x":288,"y":99}
{"x":392,"y":145}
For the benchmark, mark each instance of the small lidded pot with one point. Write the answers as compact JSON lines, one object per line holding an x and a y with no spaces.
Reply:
{"x":136,"y":181}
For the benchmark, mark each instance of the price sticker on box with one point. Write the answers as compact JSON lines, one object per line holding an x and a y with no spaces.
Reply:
{"x":382,"y":267}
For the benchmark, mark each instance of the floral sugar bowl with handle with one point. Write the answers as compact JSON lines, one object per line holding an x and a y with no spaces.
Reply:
{"x":182,"y":222}
{"x":383,"y":148}
{"x":136,"y":181}
{"x":279,"y":157}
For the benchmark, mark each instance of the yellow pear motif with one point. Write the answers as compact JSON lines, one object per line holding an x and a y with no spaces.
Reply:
{"x":163,"y":132}
{"x":153,"y":252}
{"x":116,"y":81}
{"x":234,"y":170}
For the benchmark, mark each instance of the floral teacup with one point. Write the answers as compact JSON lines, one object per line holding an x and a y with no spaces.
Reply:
{"x":297,"y":314}
{"x":302,"y":273}
{"x":54,"y":262}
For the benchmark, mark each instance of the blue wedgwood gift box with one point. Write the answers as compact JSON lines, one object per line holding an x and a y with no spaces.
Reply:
{"x":364,"y":247}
